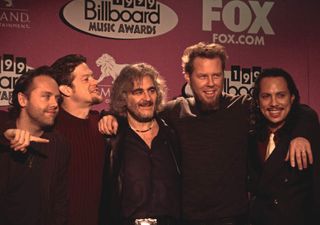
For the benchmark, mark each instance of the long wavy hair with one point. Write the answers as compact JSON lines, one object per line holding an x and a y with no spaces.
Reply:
{"x":124,"y":84}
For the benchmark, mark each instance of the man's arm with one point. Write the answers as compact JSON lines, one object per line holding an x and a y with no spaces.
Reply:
{"x":109,"y":123}
{"x":312,"y":133}
{"x":20,"y":139}
{"x":300,"y":152}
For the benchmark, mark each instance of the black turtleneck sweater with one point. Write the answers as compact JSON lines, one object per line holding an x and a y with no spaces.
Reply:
{"x":213,"y":149}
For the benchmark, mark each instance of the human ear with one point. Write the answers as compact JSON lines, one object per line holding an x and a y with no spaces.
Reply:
{"x":292,"y":98}
{"x":65,"y":90}
{"x":187,"y":77}
{"x":22,"y":99}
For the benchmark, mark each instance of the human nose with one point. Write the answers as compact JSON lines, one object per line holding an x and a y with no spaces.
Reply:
{"x":210,"y":81}
{"x":146,"y":95}
{"x":274,"y":101}
{"x":53,"y":102}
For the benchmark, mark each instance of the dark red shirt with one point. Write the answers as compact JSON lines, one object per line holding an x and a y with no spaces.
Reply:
{"x":86,"y":166}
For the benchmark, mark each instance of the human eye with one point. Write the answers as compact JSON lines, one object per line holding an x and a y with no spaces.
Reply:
{"x":137,"y":92}
{"x":85,"y":78}
{"x":202,"y":76}
{"x":281,"y":95}
{"x":46,"y":96}
{"x":264,"y":96}
{"x":152,"y":90}
{"x":90,"y":77}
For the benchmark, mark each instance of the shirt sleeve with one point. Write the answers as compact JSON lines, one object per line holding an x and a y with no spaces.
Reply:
{"x":306,"y":122}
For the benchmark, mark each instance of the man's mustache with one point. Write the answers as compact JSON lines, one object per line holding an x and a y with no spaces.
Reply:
{"x":146,"y":103}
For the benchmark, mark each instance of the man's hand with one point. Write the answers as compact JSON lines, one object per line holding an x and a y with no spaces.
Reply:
{"x":108,"y":125}
{"x":20,"y":139}
{"x":300,"y":152}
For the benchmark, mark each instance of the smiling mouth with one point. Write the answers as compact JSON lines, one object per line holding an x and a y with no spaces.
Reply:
{"x":96,"y":91}
{"x":274,"y":112}
{"x":146,"y":107}
{"x":146,"y":104}
{"x":52,"y":113}
{"x":210,"y":93}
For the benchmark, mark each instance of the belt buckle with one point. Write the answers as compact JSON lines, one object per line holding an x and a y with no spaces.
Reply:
{"x":146,"y":221}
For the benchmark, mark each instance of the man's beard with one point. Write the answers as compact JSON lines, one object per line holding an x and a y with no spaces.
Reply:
{"x":139,"y":118}
{"x":207,"y":106}
{"x":96,"y":100}
{"x":39,"y":119}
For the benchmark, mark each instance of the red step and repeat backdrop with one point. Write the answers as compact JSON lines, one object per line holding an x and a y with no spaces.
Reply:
{"x":113,"y":33}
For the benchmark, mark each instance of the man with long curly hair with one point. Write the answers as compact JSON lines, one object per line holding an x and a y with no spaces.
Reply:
{"x":144,"y":171}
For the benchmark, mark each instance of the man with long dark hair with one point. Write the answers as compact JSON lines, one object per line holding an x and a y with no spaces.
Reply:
{"x":281,"y":194}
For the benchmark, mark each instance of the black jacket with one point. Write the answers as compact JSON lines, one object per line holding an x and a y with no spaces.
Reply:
{"x":110,"y":212}
{"x":282,"y":195}
{"x":53,"y":159}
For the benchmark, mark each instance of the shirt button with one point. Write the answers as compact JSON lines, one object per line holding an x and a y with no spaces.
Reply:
{"x":285,"y":180}
{"x":275,"y":201}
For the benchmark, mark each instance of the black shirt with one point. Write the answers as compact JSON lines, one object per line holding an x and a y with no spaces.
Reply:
{"x":33,"y":185}
{"x":213,"y":152}
{"x":150,"y":179}
{"x":24,"y":186}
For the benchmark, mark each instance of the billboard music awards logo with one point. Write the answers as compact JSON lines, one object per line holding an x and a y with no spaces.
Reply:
{"x":13,"y":17}
{"x":246,"y":21}
{"x":11,"y":69}
{"x":110,"y":69}
{"x":240,"y":81}
{"x":119,"y":19}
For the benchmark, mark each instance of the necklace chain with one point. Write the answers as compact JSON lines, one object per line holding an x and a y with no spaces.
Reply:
{"x":146,"y":130}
